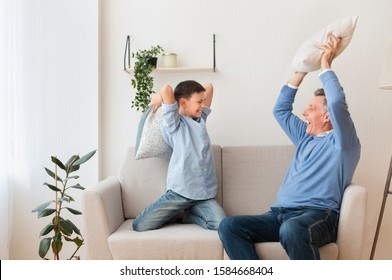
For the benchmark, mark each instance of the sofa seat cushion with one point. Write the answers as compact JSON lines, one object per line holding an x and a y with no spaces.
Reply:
{"x":175,"y":242}
{"x":275,"y":251}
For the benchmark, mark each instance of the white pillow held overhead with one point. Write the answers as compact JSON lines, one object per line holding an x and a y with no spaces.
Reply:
{"x":307,"y":58}
{"x":149,"y":140}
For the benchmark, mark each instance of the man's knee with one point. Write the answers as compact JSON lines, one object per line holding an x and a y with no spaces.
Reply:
{"x":223,"y":225}
{"x":291,"y":231}
{"x":226,"y":227}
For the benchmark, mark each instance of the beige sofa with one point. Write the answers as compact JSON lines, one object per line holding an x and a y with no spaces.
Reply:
{"x":248,"y":179}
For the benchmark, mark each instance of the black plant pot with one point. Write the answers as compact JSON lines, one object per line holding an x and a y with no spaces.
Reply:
{"x":153,"y":61}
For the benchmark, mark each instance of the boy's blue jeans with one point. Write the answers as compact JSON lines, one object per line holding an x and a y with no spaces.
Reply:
{"x":206,"y":213}
{"x":301,"y":231}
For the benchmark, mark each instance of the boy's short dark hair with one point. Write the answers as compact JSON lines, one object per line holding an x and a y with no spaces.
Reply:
{"x":185,"y":89}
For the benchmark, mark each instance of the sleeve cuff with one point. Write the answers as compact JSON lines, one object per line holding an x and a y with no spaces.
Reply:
{"x":291,"y":86}
{"x":169,"y":107}
{"x":325,"y":70}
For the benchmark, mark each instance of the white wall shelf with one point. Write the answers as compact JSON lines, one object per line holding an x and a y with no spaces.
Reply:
{"x":127,"y":62}
{"x":178,"y":70}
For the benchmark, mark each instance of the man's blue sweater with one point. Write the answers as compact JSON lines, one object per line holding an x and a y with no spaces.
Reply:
{"x":324,"y":165}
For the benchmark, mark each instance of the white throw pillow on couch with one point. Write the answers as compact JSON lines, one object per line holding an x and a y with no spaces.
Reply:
{"x":307,"y":58}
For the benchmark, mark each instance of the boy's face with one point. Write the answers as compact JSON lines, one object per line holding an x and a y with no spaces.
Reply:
{"x":193,"y":107}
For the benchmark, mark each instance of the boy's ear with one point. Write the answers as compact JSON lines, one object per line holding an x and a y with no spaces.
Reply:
{"x":182,"y":102}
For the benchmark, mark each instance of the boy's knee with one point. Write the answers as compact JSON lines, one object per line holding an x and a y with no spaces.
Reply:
{"x":216,"y":224}
{"x":212,"y":225}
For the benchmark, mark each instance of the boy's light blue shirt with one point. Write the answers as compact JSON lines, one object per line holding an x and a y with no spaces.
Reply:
{"x":323,"y":165}
{"x":191,"y":172}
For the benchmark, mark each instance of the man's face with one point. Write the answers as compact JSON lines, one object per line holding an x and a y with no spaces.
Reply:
{"x":193,"y":107}
{"x":318,"y":120}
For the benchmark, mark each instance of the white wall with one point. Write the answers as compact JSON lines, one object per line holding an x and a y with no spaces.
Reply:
{"x":255,"y":42}
{"x":4,"y":191}
{"x":54,"y":80}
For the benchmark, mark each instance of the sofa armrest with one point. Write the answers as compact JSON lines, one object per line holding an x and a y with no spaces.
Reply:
{"x":102,"y":215}
{"x":352,"y":222}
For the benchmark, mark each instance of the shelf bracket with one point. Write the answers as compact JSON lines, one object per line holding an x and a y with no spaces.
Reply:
{"x":213,"y":52}
{"x":127,"y":53}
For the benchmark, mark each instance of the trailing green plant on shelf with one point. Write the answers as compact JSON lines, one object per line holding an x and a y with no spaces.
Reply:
{"x":63,"y":229}
{"x":142,"y":80}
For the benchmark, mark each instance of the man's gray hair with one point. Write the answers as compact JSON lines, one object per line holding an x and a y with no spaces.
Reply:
{"x":320,"y":92}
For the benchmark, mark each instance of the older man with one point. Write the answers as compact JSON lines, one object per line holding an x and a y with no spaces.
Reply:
{"x":306,"y":213}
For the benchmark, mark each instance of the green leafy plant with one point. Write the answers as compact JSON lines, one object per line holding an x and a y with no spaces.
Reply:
{"x":63,"y":229}
{"x":142,"y":80}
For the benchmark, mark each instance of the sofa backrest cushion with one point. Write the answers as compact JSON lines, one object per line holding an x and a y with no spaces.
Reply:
{"x":252,"y":177}
{"x":144,"y":180}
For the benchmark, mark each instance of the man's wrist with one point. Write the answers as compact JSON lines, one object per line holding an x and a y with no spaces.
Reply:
{"x":291,"y":86}
{"x":324,"y":70}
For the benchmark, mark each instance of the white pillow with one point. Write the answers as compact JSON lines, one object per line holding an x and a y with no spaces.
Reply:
{"x":307,"y":58}
{"x":149,"y":140}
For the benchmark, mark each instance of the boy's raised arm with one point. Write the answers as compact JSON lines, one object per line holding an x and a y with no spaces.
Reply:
{"x":165,"y":95}
{"x":209,"y":94}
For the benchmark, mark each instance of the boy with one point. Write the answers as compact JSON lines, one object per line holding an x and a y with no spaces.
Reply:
{"x":191,"y":176}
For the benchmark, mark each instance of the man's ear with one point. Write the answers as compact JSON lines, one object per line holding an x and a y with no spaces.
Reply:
{"x":326,"y":118}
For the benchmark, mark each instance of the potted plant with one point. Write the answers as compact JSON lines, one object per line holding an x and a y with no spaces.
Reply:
{"x":142,"y":80}
{"x":63,"y":229}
